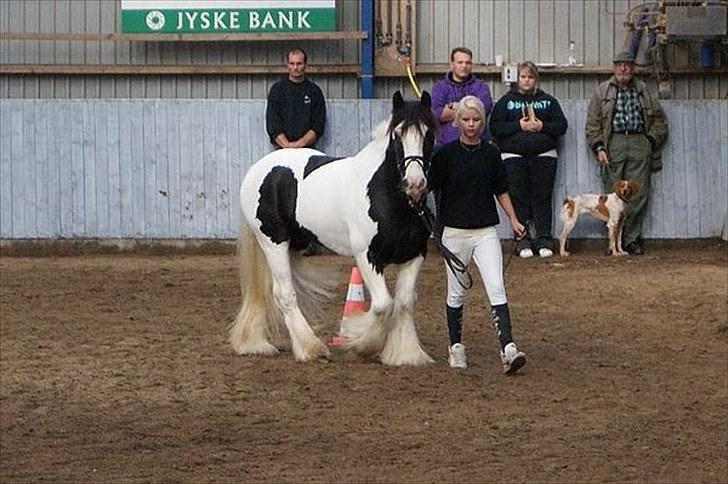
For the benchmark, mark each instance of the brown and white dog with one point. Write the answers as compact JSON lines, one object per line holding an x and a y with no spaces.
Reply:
{"x":610,"y":208}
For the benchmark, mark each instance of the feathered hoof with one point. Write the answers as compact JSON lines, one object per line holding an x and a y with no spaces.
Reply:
{"x":315,"y":350}
{"x":413,"y":358}
{"x":257,"y":348}
{"x":363,"y":334}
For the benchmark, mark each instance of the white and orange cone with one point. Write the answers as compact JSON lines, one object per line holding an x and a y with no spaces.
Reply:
{"x":355,"y":302}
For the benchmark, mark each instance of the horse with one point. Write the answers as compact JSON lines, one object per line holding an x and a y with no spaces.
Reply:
{"x":364,"y":206}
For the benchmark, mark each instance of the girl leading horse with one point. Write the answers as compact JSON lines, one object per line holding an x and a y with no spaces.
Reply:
{"x":363,"y":206}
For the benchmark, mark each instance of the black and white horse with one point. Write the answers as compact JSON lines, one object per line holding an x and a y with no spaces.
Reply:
{"x":361,"y":206}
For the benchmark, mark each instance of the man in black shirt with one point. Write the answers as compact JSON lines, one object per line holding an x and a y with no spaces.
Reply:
{"x":296,"y":111}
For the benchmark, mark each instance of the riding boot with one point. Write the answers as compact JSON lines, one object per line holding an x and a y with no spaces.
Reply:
{"x":455,"y":323}
{"x":502,"y":323}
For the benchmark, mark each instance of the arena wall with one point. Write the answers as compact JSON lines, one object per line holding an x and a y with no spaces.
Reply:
{"x":171,"y":169}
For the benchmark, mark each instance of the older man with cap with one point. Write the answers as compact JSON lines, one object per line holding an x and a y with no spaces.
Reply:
{"x":626,"y":128}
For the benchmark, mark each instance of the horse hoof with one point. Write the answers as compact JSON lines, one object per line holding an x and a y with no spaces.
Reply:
{"x":260,"y":348}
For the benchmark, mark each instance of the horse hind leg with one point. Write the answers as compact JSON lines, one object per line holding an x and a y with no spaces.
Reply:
{"x":305,"y":344}
{"x":402,"y":345}
{"x":249,"y":332}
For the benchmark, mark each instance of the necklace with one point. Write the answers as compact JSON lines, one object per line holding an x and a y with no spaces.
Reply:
{"x":470,"y":148}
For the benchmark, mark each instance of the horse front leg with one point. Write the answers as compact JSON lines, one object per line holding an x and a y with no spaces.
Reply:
{"x":366,"y":333}
{"x":403,"y":346}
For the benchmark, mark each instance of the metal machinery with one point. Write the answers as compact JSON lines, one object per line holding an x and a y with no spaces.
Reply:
{"x":653,"y":26}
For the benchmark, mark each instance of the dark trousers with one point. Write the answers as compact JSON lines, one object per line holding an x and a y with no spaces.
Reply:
{"x":531,"y":180}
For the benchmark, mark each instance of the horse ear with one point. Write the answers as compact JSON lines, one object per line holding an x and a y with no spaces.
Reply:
{"x":397,"y":101}
{"x":426,"y":100}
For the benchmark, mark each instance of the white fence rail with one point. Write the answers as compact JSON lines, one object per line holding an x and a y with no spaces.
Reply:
{"x":171,"y":169}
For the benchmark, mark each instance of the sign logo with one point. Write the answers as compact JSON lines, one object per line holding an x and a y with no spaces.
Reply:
{"x":227,"y":16}
{"x":155,"y":20}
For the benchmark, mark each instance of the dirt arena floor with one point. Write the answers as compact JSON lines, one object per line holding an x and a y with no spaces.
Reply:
{"x":116,"y":369}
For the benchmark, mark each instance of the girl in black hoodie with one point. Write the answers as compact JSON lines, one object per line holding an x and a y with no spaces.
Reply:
{"x":525,"y":124}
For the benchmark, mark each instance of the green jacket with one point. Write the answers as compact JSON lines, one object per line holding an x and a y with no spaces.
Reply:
{"x":601,"y":108}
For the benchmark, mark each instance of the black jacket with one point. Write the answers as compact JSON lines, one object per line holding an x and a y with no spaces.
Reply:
{"x":464,"y":182}
{"x":294,"y":108}
{"x":506,"y":130}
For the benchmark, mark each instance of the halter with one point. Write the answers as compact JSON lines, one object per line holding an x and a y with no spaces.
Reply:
{"x":405,"y":162}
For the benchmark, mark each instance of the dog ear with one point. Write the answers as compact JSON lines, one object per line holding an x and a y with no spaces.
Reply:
{"x":634,"y":187}
{"x":615,"y":187}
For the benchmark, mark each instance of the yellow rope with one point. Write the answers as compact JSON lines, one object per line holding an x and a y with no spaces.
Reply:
{"x":410,"y":74}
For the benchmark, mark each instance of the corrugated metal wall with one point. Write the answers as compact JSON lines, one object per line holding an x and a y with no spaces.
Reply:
{"x":536,"y":29}
{"x":172,"y":168}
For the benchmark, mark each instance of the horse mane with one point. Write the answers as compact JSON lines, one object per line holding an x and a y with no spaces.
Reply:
{"x":413,"y":113}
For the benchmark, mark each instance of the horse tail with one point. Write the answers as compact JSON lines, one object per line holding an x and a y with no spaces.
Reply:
{"x":258,"y":316}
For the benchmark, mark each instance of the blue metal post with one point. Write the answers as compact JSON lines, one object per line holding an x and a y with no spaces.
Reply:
{"x":366,"y":21}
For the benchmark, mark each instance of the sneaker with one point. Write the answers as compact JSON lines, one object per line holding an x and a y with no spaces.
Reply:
{"x":457,"y":357}
{"x":512,"y":359}
{"x":525,"y":253}
{"x":544,"y":252}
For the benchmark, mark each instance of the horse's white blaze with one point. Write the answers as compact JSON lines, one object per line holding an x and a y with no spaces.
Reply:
{"x":415,"y":180}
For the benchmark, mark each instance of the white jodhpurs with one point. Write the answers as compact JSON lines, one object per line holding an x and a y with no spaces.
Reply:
{"x":484,"y":247}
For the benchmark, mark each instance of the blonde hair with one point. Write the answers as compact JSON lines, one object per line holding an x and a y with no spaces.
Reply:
{"x":469,"y":102}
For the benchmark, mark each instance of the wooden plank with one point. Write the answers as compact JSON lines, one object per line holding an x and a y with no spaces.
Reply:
{"x":209,"y":169}
{"x":113,"y":163}
{"x":245,"y":37}
{"x":531,"y":33}
{"x":219,"y":196}
{"x":28,"y":184}
{"x":149,"y":169}
{"x":516,"y":28}
{"x":6,"y":170}
{"x":161,"y":186}
{"x":90,"y":204}
{"x":101,"y":160}
{"x":137,"y":187}
{"x":63,"y":135}
{"x":707,"y":123}
{"x":675,"y":173}
{"x":690,"y":142}
{"x":42,"y":175}
{"x":174,"y":141}
{"x":166,"y":69}
{"x":234,"y":172}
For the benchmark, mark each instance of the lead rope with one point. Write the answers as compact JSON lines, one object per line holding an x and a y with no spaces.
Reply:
{"x":458,"y":268}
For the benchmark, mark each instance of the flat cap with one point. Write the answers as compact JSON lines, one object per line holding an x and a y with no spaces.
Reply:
{"x":624,"y":56}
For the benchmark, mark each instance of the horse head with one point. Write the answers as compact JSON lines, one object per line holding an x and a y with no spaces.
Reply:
{"x":412,"y":138}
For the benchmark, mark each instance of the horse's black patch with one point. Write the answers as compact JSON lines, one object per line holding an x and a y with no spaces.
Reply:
{"x":317,"y":161}
{"x":401,"y":235}
{"x":277,"y":209}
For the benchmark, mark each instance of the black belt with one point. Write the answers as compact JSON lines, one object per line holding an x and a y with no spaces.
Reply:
{"x":627,"y":132}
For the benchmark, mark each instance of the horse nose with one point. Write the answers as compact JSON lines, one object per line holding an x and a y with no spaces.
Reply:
{"x":415,"y":189}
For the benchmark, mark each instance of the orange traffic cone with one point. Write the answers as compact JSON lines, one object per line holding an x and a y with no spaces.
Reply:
{"x":355,"y":302}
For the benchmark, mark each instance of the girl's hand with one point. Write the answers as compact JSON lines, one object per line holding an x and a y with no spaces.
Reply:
{"x":518,"y":228}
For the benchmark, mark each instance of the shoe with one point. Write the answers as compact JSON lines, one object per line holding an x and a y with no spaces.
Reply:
{"x":544,"y":252}
{"x":634,"y":248}
{"x":526,"y":253}
{"x":457,"y":357}
{"x":512,"y":359}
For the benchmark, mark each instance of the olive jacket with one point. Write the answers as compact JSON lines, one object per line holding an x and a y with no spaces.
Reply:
{"x":601,"y":109}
